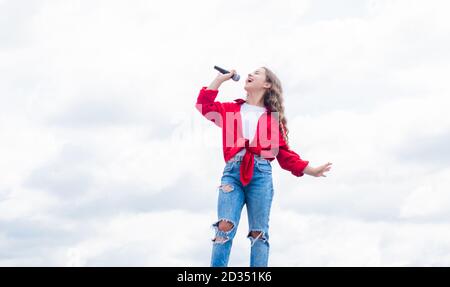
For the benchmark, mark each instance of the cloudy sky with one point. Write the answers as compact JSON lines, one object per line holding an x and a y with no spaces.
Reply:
{"x":104,"y":160}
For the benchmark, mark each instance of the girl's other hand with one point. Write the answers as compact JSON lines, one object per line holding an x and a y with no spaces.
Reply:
{"x":320,"y":170}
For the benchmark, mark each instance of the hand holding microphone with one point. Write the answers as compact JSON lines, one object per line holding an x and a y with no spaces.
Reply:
{"x":226,"y":75}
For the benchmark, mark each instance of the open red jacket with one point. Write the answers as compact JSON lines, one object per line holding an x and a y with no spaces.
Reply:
{"x":268,"y":141}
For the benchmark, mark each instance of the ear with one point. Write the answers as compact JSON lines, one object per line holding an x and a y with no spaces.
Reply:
{"x":267,"y":85}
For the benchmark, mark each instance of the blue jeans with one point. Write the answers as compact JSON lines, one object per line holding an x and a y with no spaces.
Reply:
{"x":232,"y":196}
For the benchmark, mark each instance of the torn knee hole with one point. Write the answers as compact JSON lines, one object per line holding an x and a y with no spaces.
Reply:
{"x":223,"y":228}
{"x":226,"y":187}
{"x":225,"y":225}
{"x":219,"y":239}
{"x":256,"y":234}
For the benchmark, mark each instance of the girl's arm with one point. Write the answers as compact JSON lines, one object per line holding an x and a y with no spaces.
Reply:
{"x":291,"y":161}
{"x":206,"y":104}
{"x":220,"y":78}
{"x":215,"y":84}
{"x":318,"y":171}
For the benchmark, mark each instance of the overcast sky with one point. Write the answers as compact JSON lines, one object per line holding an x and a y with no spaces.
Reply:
{"x":104,"y":160}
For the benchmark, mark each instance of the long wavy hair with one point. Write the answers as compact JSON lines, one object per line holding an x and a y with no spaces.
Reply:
{"x":273,"y":99}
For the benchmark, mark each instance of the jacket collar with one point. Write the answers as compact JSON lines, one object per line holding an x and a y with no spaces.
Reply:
{"x":239,"y":101}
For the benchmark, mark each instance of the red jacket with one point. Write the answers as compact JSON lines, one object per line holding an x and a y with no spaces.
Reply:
{"x":268,"y":141}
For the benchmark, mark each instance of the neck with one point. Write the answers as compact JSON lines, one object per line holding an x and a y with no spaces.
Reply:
{"x":255,"y":98}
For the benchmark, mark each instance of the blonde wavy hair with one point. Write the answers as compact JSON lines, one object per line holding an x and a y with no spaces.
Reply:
{"x":273,"y":99}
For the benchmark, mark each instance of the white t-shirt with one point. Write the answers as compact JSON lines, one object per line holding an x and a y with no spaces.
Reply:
{"x":250,"y":115}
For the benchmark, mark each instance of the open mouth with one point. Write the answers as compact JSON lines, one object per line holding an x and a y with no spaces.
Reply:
{"x":249,"y":80}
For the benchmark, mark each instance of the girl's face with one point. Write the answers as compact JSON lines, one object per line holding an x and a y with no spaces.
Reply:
{"x":256,"y":81}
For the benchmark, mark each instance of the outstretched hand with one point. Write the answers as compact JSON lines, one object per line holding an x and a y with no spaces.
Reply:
{"x":317,"y":171}
{"x":320,"y":170}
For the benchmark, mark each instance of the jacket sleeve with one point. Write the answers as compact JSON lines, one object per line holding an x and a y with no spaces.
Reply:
{"x":208,"y":107}
{"x":290,"y":160}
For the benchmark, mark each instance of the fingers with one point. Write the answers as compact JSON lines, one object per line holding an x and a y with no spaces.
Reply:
{"x":226,"y":76}
{"x":324,"y":168}
{"x":326,"y":165}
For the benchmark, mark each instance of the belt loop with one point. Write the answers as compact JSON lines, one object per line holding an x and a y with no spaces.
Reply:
{"x":237,"y":158}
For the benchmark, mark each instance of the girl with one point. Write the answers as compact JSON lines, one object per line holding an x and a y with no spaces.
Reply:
{"x":254,"y":133}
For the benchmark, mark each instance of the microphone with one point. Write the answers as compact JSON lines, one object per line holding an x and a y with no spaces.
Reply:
{"x":235,"y":77}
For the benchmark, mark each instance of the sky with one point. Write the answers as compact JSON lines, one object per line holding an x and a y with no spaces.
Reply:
{"x":104,"y":160}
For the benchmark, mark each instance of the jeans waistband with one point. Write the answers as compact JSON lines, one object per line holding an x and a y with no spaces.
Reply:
{"x":239,"y":158}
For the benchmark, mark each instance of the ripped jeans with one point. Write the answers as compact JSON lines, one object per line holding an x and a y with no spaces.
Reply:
{"x":232,"y":196}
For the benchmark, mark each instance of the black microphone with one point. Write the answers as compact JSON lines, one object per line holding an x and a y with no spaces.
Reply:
{"x":235,"y":77}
